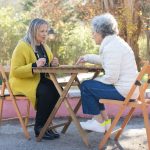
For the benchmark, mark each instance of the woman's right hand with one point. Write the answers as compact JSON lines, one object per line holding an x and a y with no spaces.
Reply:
{"x":40,"y":62}
{"x":81,"y":60}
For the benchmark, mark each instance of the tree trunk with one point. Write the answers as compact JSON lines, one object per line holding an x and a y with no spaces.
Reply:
{"x":148,"y":39}
{"x":127,"y":12}
{"x":133,"y":37}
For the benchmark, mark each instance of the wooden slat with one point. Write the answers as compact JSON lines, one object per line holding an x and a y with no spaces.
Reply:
{"x":110,"y":101}
{"x":148,"y":69}
{"x":8,"y":98}
{"x":58,"y":125}
{"x":130,"y":104}
{"x":67,"y":69}
{"x":64,"y":83}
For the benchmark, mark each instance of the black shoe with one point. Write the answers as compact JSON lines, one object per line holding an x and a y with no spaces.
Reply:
{"x":54,"y":132}
{"x":47,"y":135}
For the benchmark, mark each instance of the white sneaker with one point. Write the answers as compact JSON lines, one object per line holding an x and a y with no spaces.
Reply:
{"x":88,"y":121}
{"x":93,"y":125}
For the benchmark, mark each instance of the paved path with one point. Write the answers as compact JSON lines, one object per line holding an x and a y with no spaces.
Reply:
{"x":11,"y":138}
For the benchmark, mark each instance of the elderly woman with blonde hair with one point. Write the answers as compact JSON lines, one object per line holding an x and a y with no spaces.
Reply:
{"x":118,"y":62}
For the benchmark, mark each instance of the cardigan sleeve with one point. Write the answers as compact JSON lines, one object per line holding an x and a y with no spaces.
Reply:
{"x":21,"y":64}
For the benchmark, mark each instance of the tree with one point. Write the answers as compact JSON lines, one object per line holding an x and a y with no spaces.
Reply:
{"x":76,"y":42}
{"x":12,"y":29}
{"x":60,"y":14}
{"x":28,"y":4}
{"x":68,"y":44}
{"x":127,"y":12}
{"x":146,"y":21}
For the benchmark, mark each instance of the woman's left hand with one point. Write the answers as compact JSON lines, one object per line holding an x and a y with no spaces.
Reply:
{"x":55,"y":62}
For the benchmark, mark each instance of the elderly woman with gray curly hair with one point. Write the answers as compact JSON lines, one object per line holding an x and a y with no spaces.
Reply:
{"x":118,"y":62}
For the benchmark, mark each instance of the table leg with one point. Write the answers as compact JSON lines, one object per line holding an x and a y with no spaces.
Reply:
{"x":75,"y":110}
{"x":58,"y":104}
{"x":70,"y":119}
{"x":83,"y":133}
{"x":73,"y":117}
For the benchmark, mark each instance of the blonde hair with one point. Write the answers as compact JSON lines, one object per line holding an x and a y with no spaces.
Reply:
{"x":32,"y":31}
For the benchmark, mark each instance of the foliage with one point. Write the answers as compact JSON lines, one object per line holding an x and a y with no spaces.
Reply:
{"x":55,"y":11}
{"x":69,"y":43}
{"x":11,"y":30}
{"x":28,"y":4}
{"x":70,"y":20}
{"x":76,"y":43}
{"x":127,"y":14}
{"x":64,"y":17}
{"x":146,"y":8}
{"x":87,"y":9}
{"x":142,"y":46}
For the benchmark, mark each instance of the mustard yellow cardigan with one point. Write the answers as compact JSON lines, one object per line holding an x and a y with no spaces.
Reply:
{"x":22,"y":80}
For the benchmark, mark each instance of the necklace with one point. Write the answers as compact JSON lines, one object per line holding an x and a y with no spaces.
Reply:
{"x":41,"y":53}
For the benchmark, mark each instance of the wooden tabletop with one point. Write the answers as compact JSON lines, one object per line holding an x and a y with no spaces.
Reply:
{"x":67,"y":69}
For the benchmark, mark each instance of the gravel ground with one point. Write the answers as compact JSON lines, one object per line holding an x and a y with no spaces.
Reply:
{"x":12,"y":138}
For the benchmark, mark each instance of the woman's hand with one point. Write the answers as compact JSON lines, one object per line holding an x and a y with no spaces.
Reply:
{"x":81,"y":60}
{"x":55,"y":62}
{"x":41,"y":62}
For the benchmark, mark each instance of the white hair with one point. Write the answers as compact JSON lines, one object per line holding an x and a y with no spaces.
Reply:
{"x":105,"y":24}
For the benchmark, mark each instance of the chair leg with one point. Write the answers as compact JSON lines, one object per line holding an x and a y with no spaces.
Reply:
{"x":114,"y":123}
{"x":125,"y":122}
{"x":70,"y":119}
{"x":1,"y":110}
{"x":21,"y":119}
{"x":147,"y":124}
{"x":28,"y":113}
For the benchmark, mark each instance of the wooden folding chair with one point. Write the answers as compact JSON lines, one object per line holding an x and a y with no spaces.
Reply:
{"x":4,"y":73}
{"x":141,"y":102}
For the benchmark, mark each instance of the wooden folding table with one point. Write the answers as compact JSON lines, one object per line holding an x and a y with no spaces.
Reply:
{"x":73,"y":71}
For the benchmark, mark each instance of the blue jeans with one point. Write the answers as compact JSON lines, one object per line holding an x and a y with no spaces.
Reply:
{"x":92,"y":91}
